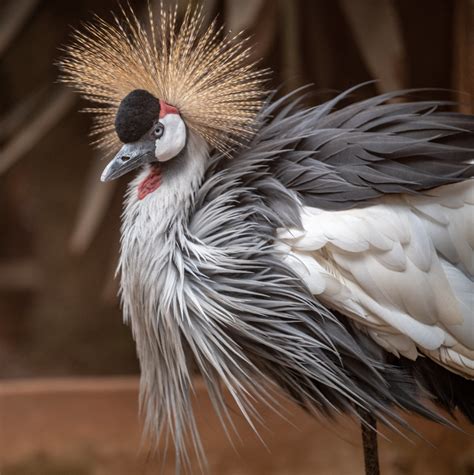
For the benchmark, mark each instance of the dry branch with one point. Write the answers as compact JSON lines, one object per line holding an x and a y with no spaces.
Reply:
{"x":376,"y":28}
{"x":14,"y":16}
{"x":94,"y":202}
{"x":36,"y":128}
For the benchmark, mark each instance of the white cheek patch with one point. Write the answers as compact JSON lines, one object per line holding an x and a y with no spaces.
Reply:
{"x":173,"y":139}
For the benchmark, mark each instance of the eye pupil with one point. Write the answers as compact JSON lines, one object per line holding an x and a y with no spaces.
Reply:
{"x":158,"y":132}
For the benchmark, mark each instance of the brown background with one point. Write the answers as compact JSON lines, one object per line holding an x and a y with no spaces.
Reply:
{"x":59,"y":226}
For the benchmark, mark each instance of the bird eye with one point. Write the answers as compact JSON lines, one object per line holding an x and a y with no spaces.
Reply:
{"x":158,"y":130}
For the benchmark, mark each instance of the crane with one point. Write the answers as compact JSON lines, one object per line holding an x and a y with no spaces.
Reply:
{"x":326,"y":252}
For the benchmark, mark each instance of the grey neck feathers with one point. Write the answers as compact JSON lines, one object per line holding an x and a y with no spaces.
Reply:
{"x":154,"y":230}
{"x":154,"y":236}
{"x":181,"y":177}
{"x":166,"y":207}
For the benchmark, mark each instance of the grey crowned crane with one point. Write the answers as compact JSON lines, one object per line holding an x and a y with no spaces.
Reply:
{"x":325,"y":252}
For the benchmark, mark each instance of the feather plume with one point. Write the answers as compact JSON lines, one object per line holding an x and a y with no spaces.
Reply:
{"x":209,"y":79}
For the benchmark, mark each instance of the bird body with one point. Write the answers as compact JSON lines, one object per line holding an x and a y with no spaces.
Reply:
{"x":401,"y":267}
{"x":325,"y":251}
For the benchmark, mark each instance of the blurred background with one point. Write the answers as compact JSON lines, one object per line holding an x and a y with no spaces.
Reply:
{"x":65,"y":406}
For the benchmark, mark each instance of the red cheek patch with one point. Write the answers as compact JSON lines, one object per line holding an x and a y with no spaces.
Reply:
{"x":150,"y":183}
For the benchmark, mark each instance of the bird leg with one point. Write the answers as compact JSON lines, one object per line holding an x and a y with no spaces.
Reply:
{"x":368,"y":425}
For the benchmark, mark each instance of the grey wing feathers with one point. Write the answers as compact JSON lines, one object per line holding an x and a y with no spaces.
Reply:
{"x":274,"y":329}
{"x":329,"y":159}
{"x":343,"y":158}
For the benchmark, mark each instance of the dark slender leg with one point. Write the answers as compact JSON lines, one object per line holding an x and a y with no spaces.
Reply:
{"x":369,"y":441}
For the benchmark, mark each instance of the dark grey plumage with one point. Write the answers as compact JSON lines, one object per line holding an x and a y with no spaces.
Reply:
{"x":203,"y":280}
{"x":369,"y":149}
{"x":340,"y":159}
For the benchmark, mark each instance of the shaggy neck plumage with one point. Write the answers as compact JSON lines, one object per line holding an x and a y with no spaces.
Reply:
{"x":153,"y":229}
{"x":152,"y":279}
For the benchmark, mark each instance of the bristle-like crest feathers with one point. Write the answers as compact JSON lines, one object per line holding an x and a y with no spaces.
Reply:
{"x":206,"y":75}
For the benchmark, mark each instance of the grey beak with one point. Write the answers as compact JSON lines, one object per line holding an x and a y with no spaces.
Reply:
{"x":130,"y":156}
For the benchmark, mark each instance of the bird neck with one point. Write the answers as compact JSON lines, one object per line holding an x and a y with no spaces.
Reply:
{"x":175,"y":184}
{"x":153,"y":230}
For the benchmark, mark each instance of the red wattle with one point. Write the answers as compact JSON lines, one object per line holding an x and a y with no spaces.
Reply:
{"x":150,"y":183}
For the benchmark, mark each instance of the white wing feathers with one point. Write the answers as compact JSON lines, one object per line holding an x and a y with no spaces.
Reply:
{"x":403,"y":268}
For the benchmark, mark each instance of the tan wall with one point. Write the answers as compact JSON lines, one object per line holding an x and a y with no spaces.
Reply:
{"x":90,"y":427}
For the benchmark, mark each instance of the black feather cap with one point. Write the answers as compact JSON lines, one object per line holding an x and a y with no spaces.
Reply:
{"x":135,"y":115}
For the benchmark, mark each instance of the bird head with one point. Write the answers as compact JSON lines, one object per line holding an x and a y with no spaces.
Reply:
{"x":151,"y":131}
{"x":155,"y":83}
